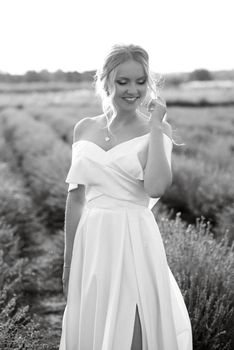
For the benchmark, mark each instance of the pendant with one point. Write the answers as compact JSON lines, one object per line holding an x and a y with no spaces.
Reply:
{"x":107,"y":138}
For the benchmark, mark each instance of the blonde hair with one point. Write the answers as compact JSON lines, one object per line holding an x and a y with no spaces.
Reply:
{"x":105,"y":76}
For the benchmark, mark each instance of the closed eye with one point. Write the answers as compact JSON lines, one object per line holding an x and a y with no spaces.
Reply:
{"x":121,"y":82}
{"x":141,"y":82}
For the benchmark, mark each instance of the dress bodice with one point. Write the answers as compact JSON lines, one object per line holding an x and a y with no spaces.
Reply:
{"x":117,"y":173}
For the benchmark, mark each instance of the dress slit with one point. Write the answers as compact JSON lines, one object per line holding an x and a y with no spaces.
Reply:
{"x":138,"y":303}
{"x":143,"y":330}
{"x":139,"y":330}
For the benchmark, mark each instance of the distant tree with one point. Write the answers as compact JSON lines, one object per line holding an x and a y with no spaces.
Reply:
{"x":45,"y":75}
{"x":174,"y":79}
{"x":88,"y":75}
{"x":58,"y":75}
{"x":31,"y":76}
{"x":200,"y":74}
{"x":73,"y":77}
{"x":4,"y":77}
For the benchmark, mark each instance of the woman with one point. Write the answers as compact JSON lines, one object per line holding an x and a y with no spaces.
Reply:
{"x":121,"y":294}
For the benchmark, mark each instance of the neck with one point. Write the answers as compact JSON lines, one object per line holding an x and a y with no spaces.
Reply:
{"x":124,"y":118}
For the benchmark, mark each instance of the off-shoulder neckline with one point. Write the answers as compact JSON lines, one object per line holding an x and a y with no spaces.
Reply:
{"x":116,"y":146}
{"x":112,"y":148}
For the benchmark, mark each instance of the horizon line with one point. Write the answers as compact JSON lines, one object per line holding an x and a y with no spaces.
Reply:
{"x":94,"y":70}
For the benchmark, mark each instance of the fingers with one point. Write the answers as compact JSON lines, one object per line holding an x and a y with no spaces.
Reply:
{"x":156,"y":102}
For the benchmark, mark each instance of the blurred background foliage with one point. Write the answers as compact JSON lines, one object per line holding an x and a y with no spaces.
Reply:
{"x":38,"y":112}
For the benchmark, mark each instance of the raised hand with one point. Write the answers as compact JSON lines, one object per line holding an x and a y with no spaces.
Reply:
{"x":157,"y":108}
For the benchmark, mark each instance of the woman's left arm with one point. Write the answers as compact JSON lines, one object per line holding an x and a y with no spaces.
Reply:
{"x":157,"y":173}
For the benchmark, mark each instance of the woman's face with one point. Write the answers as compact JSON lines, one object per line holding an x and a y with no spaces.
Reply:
{"x":130,"y":84}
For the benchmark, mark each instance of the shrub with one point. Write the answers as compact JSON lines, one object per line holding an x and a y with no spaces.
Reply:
{"x":19,"y":329}
{"x":16,"y":208}
{"x":203,"y":269}
{"x":200,"y":74}
{"x":201,"y":189}
{"x":44,"y":160}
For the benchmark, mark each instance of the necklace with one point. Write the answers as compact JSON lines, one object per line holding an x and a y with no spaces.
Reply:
{"x":107,"y":138}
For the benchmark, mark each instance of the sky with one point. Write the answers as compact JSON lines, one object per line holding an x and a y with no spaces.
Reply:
{"x":75,"y":35}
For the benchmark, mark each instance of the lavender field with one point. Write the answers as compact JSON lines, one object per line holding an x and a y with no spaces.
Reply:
{"x":195,"y":215}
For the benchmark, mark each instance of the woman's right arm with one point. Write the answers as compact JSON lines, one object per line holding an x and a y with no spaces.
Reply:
{"x":75,"y":200}
{"x":73,"y":211}
{"x":74,"y":207}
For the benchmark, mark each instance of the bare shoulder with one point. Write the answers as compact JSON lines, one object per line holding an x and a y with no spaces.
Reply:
{"x":80,"y":127}
{"x":85,"y":124}
{"x":99,"y":119}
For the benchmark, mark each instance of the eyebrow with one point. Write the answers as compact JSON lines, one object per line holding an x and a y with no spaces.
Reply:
{"x":122,"y":77}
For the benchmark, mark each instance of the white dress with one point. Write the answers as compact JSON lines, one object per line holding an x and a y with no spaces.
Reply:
{"x":118,"y":259}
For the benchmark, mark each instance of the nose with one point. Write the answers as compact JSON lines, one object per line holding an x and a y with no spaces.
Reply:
{"x":132,"y":88}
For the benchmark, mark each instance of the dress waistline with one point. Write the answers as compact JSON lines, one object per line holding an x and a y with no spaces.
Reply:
{"x":107,"y":202}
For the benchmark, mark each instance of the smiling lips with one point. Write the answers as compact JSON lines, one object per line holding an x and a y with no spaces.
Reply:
{"x":130,"y":99}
